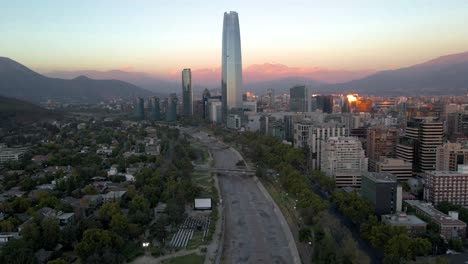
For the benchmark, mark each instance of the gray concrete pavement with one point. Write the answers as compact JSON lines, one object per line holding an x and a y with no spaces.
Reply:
{"x":255,"y":230}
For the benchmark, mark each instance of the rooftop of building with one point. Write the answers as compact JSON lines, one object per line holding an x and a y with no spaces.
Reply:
{"x":380,"y":177}
{"x":393,"y":161}
{"x":433,"y":213}
{"x":351,"y":139}
{"x":403,"y":219}
{"x":462,"y":171}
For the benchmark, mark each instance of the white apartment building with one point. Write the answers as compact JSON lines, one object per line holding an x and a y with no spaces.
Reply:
{"x":314,"y":136}
{"x":11,"y":154}
{"x":343,"y":158}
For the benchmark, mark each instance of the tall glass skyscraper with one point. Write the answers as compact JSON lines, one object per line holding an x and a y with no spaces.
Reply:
{"x":187,"y":94}
{"x":139,"y":109}
{"x":231,"y":80}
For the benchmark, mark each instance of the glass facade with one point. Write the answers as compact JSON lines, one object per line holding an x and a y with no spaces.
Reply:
{"x":231,"y":80}
{"x":187,"y":94}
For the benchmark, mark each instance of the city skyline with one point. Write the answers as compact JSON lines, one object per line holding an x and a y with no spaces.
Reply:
{"x":334,"y":36}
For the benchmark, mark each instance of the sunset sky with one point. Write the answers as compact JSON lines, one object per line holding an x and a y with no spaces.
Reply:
{"x":162,"y":37}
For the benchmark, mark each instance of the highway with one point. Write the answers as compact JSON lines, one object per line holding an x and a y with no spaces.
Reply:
{"x":254,"y":229}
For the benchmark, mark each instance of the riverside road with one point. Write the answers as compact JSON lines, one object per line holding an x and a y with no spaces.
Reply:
{"x":254,"y":229}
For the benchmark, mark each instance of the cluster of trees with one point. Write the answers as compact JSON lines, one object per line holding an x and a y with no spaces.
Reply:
{"x":332,"y":241}
{"x":325,"y":182}
{"x":111,"y":236}
{"x":393,"y":241}
{"x":269,"y":152}
{"x":38,"y":232}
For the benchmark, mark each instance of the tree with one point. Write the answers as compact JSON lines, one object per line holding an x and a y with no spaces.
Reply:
{"x":305,"y":234}
{"x":398,"y":249}
{"x":17,"y":251}
{"x":31,"y":232}
{"x":90,"y":190}
{"x":131,"y":191}
{"x":57,"y":261}
{"x":119,"y":225}
{"x":456,"y":244}
{"x":403,"y":248}
{"x":97,"y":242}
{"x":50,"y":232}
{"x":351,"y":253}
{"x":139,"y":210}
{"x":21,"y":204}
{"x":421,"y":247}
{"x":106,"y":212}
{"x":326,"y":251}
{"x":175,"y":212}
{"x":6,"y":225}
{"x":158,"y":230}
{"x":381,"y":234}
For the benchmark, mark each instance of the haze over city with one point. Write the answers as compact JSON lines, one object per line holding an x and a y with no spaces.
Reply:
{"x":302,"y":37}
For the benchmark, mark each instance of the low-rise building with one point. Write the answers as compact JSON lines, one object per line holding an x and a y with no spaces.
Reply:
{"x":449,"y":225}
{"x":113,"y":196}
{"x":234,"y":121}
{"x":403,"y":170}
{"x":66,"y":218}
{"x":11,"y":154}
{"x":413,"y":224}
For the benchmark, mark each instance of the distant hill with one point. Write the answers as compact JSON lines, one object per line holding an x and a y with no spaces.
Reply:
{"x":18,"y":81}
{"x":160,"y":87}
{"x":280,"y":85}
{"x":15,"y":112}
{"x":446,"y":75}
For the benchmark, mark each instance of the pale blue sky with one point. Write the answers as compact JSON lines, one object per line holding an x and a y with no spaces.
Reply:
{"x":162,"y":36}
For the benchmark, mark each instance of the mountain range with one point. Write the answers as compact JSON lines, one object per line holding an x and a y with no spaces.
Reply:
{"x":157,"y":85}
{"x":255,"y":77}
{"x":446,"y":75}
{"x":20,"y":82}
{"x":14,"y":112}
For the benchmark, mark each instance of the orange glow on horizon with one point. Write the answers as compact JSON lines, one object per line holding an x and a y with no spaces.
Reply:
{"x":351,"y":98}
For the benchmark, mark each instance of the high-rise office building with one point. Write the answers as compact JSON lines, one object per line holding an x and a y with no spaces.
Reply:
{"x":187,"y":93}
{"x":325,"y":103}
{"x":422,"y":137}
{"x":206,"y":95}
{"x":155,"y":109}
{"x":214,"y":112}
{"x":139,"y":109}
{"x":381,"y":142}
{"x":231,"y":79}
{"x":450,"y":155}
{"x":300,"y":99}
{"x":272,"y":97}
{"x":171,"y":109}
